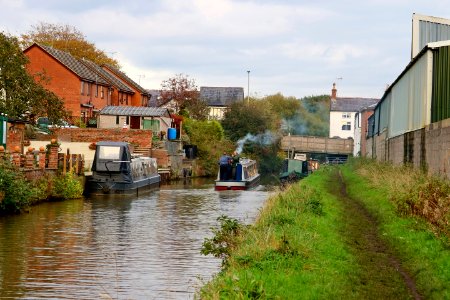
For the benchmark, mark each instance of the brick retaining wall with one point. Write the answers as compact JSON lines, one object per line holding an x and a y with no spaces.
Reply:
{"x":427,"y":148}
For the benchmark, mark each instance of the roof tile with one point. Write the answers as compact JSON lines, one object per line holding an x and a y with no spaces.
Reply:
{"x":351,"y":104}
{"x":75,"y":65}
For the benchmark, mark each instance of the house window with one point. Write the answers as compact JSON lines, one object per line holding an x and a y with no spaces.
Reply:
{"x":128,"y":120}
{"x":101,"y":92}
{"x":96,"y":91}
{"x":346,"y":115}
{"x":117,"y":120}
{"x":88,"y":92}
{"x":144,"y":100}
{"x":82,"y":88}
{"x":347,"y":126}
{"x":122,"y":98}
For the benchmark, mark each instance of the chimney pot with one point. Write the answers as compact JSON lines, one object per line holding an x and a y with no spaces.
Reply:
{"x":334,"y":92}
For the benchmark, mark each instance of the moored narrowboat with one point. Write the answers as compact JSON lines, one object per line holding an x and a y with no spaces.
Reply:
{"x":115,"y":171}
{"x":243,"y":177}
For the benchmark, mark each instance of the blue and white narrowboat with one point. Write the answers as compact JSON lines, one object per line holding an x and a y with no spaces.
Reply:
{"x":245,"y":176}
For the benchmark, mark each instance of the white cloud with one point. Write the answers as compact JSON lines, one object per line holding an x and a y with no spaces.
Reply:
{"x":295,"y":47}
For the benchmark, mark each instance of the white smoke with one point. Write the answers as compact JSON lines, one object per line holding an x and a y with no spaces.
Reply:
{"x":265,"y":138}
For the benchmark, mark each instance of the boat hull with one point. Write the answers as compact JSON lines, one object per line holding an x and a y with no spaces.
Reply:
{"x":95,"y":187}
{"x":223,"y":185}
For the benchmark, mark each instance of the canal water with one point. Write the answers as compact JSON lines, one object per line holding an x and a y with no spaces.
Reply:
{"x":142,"y":248}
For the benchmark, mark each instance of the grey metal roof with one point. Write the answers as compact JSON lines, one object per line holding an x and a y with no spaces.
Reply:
{"x":124,"y":76}
{"x":74,"y":65}
{"x":221,"y":96}
{"x":141,"y":111}
{"x":119,"y":84}
{"x":351,"y":104}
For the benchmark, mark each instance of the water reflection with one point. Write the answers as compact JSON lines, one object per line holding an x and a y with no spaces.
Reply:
{"x":142,"y":248}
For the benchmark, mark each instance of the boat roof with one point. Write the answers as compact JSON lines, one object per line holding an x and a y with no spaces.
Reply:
{"x":246,"y":161}
{"x":110,"y":143}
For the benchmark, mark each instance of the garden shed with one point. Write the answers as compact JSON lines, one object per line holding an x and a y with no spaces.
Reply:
{"x":135,"y":117}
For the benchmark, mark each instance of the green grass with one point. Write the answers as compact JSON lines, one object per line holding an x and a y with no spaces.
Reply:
{"x":293,"y":250}
{"x":298,"y":248}
{"x":425,"y":251}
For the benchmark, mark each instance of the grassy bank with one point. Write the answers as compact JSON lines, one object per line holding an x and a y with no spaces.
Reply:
{"x":304,"y":246}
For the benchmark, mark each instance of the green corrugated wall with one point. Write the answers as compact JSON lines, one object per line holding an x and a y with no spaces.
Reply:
{"x":440,"y":101}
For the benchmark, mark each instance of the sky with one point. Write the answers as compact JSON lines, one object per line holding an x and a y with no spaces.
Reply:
{"x":296,"y":48}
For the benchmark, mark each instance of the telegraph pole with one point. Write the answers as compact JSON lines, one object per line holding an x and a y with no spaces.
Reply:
{"x":248,"y":87}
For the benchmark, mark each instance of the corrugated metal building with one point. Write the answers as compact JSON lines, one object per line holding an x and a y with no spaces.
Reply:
{"x":427,"y":29}
{"x":419,"y":96}
{"x":411,"y":123}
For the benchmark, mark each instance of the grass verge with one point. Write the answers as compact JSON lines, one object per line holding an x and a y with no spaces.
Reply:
{"x":419,"y":236}
{"x":292,"y":249}
{"x":298,"y":248}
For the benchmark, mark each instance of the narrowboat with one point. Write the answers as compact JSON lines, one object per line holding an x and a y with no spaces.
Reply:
{"x":296,"y":169}
{"x":116,"y":171}
{"x":245,"y":176}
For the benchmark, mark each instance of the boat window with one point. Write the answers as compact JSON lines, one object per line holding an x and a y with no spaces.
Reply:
{"x":108,"y":152}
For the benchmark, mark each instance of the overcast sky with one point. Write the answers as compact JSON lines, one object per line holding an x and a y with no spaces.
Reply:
{"x":297,"y":48}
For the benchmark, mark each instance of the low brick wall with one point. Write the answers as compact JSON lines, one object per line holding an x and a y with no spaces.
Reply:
{"x":162,"y":157}
{"x":35,"y":163}
{"x":427,"y":148}
{"x":139,"y":137}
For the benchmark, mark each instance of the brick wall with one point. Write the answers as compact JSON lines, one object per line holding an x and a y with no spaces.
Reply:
{"x":364,"y":122}
{"x":162,"y":157}
{"x":437,"y":141}
{"x":427,"y":148}
{"x":15,"y":136}
{"x":396,"y":150}
{"x":139,"y":137}
{"x":63,"y":82}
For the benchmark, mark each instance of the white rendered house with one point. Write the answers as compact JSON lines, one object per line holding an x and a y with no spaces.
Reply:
{"x":342,"y":113}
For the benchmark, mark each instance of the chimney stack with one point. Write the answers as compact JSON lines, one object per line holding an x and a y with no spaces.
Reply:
{"x":334,"y":92}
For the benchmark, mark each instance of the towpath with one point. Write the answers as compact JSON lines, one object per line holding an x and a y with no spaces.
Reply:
{"x":380,"y":275}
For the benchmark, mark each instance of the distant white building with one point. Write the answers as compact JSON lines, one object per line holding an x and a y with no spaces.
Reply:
{"x":219,"y":99}
{"x":342,"y":113}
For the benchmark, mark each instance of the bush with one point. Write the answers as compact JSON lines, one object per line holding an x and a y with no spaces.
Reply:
{"x":67,"y":186}
{"x":223,"y":240}
{"x":210,"y":141}
{"x":16,"y":191}
{"x":412,"y":191}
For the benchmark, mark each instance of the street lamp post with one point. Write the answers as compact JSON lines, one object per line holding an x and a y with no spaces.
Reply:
{"x":248,"y":87}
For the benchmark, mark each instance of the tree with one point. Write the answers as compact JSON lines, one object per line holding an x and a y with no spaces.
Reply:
{"x":254,"y":118}
{"x":185,"y":96}
{"x":312,"y":118}
{"x":22,"y":94}
{"x":284,"y":107}
{"x":66,"y":38}
{"x":209,"y":138}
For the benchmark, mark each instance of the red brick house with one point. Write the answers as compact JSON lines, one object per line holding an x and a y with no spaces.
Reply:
{"x":121,"y":93}
{"x":82,"y":89}
{"x":140,"y":97}
{"x":85,"y":87}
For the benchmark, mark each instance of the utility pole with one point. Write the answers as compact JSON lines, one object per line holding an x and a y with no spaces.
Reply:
{"x":141,"y":76}
{"x":248,"y":87}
